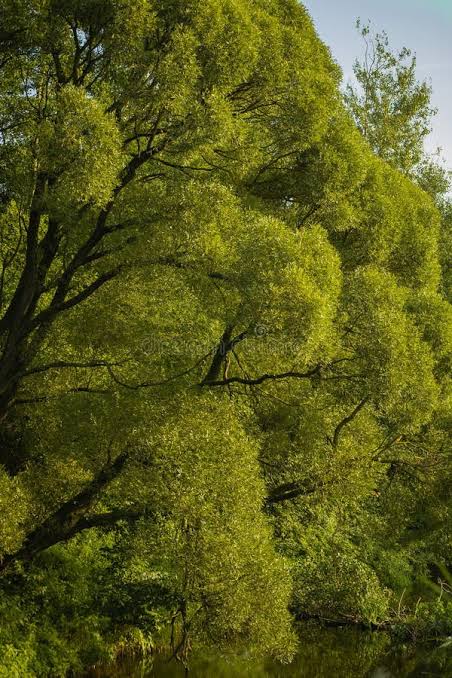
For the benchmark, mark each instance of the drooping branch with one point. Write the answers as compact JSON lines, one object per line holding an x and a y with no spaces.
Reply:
{"x":288,"y":491}
{"x":175,"y":263}
{"x":162,"y":382}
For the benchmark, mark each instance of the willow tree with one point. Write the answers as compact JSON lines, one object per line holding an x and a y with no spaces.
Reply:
{"x":210,"y":288}
{"x":134,"y":141}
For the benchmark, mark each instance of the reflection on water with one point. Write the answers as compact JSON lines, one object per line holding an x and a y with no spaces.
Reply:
{"x":324,"y":653}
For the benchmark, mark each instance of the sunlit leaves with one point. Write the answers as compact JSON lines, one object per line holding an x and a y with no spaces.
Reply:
{"x":201,"y":154}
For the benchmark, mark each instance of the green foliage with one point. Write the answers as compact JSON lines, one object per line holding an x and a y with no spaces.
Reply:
{"x":12,"y":496}
{"x":224,"y":332}
{"x":333,"y":582}
{"x":79,"y":144}
{"x":212,"y":545}
{"x":48,"y":622}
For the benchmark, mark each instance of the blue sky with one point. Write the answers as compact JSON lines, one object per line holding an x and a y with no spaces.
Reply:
{"x":425,"y":26}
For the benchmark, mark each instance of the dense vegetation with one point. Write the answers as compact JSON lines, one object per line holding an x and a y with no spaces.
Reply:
{"x":225,"y":334}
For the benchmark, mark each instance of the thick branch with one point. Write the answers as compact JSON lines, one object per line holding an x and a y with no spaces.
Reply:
{"x":55,"y":309}
{"x":225,"y":346}
{"x":69,"y":518}
{"x":219,"y":356}
{"x":26,"y":287}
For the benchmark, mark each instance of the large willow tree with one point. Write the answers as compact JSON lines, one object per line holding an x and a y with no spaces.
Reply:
{"x":221,"y":316}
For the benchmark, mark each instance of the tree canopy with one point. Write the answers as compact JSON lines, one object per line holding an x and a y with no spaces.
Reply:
{"x":224,"y":330}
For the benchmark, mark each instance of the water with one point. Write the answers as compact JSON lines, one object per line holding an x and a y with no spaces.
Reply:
{"x":324,"y":653}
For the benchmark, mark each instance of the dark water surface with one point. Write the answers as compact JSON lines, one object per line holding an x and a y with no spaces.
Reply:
{"x":323,"y":653}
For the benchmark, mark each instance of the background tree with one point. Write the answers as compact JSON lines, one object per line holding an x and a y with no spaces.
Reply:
{"x":391,"y":107}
